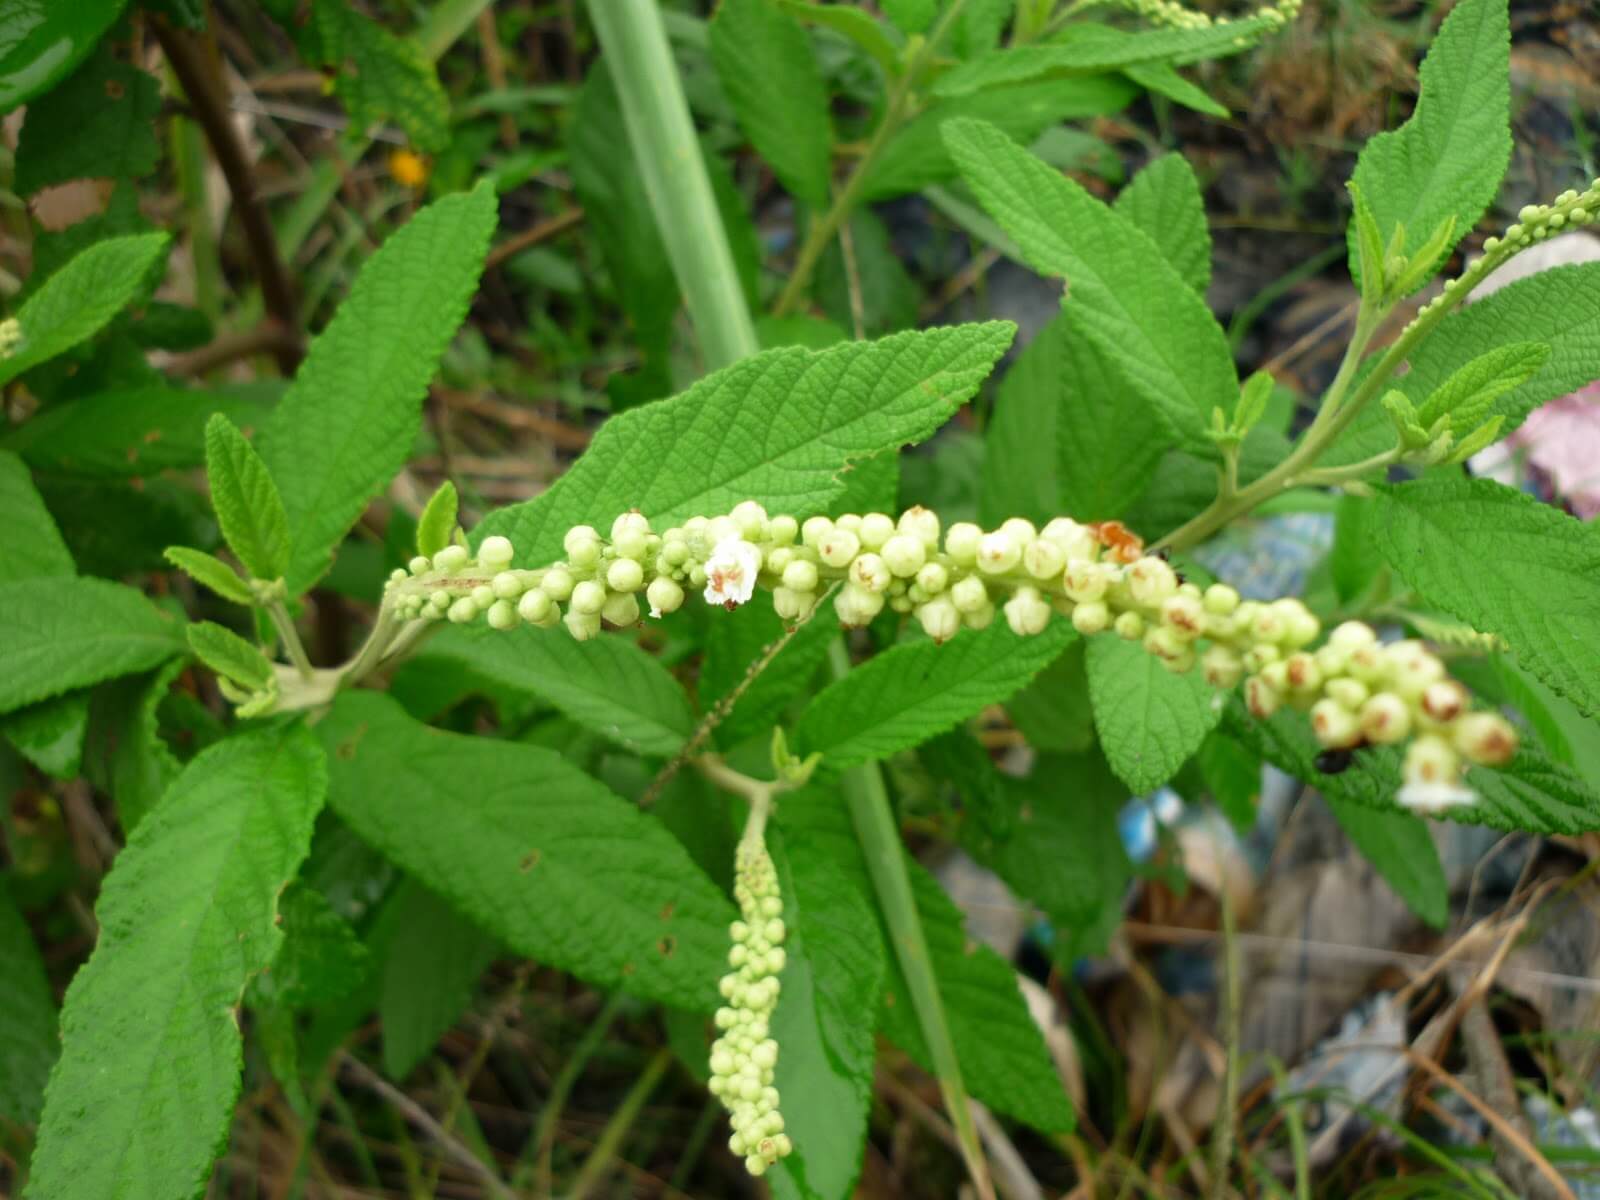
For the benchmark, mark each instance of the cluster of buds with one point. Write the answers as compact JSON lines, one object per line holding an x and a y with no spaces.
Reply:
{"x":1175,"y":15}
{"x":10,"y":336}
{"x":1536,"y":222}
{"x":744,"y":1057}
{"x":1098,"y":576}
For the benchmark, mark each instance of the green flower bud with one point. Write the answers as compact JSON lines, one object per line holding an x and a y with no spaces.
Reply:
{"x":451,"y":558}
{"x":814,"y":530}
{"x":1444,"y":701}
{"x":1184,"y":615}
{"x":420,"y":564}
{"x":922,"y":524}
{"x":1077,"y":542}
{"x":1027,"y":612}
{"x":969,"y":595}
{"x":507,"y":585}
{"x":800,"y":575}
{"x":1020,"y":530}
{"x":1335,"y":725}
{"x":856,"y":606}
{"x":1151,"y":581}
{"x":933,"y":579}
{"x":502,"y":615}
{"x":463,"y":610}
{"x":537,"y":608}
{"x":876,"y":529}
{"x":1223,"y":668}
{"x":621,"y":609}
{"x":582,"y":546}
{"x":783,"y":530}
{"x":1486,"y":738}
{"x":1129,"y":626}
{"x":871,"y":572}
{"x":1263,"y":700}
{"x":624,"y":575}
{"x":961,"y":543}
{"x":581,"y":625}
{"x":664,"y":596}
{"x":588,"y":597}
{"x":1221,"y":600}
{"x":904,"y":555}
{"x":839,"y":548}
{"x":495,"y":554}
{"x":1385,"y":719}
{"x":1092,"y":617}
{"x":998,"y":552}
{"x":557,"y":583}
{"x":1043,"y":559}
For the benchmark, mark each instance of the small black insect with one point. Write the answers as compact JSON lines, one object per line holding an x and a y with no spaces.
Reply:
{"x":1333,"y":762}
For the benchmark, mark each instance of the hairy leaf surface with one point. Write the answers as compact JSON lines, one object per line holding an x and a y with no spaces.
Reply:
{"x":389,"y":78}
{"x":248,"y":504}
{"x":60,"y":634}
{"x":735,"y":643}
{"x":1121,"y":291}
{"x":1002,"y":1054}
{"x":95,"y":125}
{"x":350,"y":418}
{"x":32,"y":547}
{"x":1150,"y":721}
{"x":141,"y":1099}
{"x":428,"y":976}
{"x":1506,"y":564}
{"x":915,"y":690}
{"x":607,"y":684}
{"x":833,"y":977}
{"x":763,"y":58}
{"x":1164,"y":200}
{"x":1088,"y":47}
{"x":77,"y":301}
{"x":519,"y":840}
{"x":1531,"y":793}
{"x":780,"y":427}
{"x":28,"y":1041}
{"x":916,"y":156}
{"x":1448,"y":158}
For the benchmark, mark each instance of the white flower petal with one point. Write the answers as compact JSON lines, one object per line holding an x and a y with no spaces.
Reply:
{"x":731,"y":572}
{"x":1433,"y":798}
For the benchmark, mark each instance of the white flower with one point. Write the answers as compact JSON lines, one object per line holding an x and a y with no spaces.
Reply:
{"x":1433,"y":798}
{"x":731,"y":572}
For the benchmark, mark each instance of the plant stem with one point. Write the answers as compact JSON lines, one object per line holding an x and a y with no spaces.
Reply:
{"x":667,"y":153}
{"x":598,"y":1165}
{"x":191,"y":63}
{"x":879,"y":836}
{"x":290,"y":638}
{"x":1228,"y":1106}
{"x":898,"y":108}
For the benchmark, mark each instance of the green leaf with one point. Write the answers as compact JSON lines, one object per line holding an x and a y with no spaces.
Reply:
{"x":917,"y":689}
{"x":428,"y":976}
{"x":859,"y":26}
{"x":44,"y":43}
{"x":1164,"y":80}
{"x":1123,"y":294}
{"x":50,"y":734}
{"x":617,"y":213}
{"x":1002,"y":1054}
{"x":1149,"y":720}
{"x":1053,"y":839}
{"x":77,"y":301}
{"x":126,"y":756}
{"x":1053,"y":712}
{"x":735,"y":643}
{"x":916,"y":155}
{"x":248,"y":504}
{"x":129,"y":433}
{"x":1354,"y":561}
{"x":607,"y":684}
{"x":437,"y":525}
{"x":911,"y":16}
{"x":187,"y":916}
{"x":1530,"y":794}
{"x":382,"y":77}
{"x":28,"y":1040}
{"x":1088,"y":48}
{"x":349,"y":420}
{"x":212,"y":572}
{"x":520,"y":840}
{"x":1065,"y":437}
{"x":763,"y":58}
{"x":32,"y":547}
{"x":96,"y":125}
{"x":1401,"y":848}
{"x":1164,"y":200}
{"x":1505,"y":564}
{"x":61,"y":634}
{"x":780,"y":428}
{"x":833,"y":976}
{"x":1448,"y":158}
{"x":229,"y":655}
{"x":1559,"y":307}
{"x":320,"y":960}
{"x":1232,"y":774}
{"x":1469,"y":394}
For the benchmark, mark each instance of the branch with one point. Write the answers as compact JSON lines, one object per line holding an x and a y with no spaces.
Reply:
{"x":196,"y":72}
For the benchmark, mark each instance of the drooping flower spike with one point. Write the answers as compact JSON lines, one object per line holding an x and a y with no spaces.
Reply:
{"x":1356,"y":689}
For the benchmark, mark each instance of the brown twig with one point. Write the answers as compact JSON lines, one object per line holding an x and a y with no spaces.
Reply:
{"x":269,"y":337}
{"x":518,"y":242}
{"x":557,"y":432}
{"x":1488,"y":1059}
{"x":423,"y":1120}
{"x":201,"y":82}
